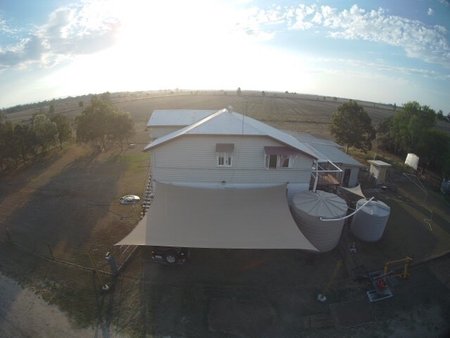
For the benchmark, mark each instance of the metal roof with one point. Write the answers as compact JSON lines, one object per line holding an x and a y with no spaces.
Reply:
{"x":329,"y":149}
{"x":226,"y":122}
{"x":177,"y":117}
{"x":379,"y":163}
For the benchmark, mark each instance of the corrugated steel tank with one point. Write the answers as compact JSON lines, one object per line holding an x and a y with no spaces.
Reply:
{"x":309,"y":207}
{"x":369,"y":223}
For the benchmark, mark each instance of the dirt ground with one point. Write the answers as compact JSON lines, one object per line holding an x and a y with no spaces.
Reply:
{"x":61,"y":215}
{"x":24,"y":314}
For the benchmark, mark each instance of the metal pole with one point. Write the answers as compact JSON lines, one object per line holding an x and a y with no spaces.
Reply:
{"x":316,"y":163}
{"x":345,"y":217}
{"x":112,"y":263}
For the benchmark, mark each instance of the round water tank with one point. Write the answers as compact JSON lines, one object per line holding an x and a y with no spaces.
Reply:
{"x":368,"y":224}
{"x":309,"y":207}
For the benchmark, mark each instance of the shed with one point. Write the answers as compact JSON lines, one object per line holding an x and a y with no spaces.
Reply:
{"x":379,"y":170}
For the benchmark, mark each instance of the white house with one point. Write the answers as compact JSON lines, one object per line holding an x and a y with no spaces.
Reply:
{"x":220,"y":181}
{"x":251,"y":146}
{"x":229,"y":149}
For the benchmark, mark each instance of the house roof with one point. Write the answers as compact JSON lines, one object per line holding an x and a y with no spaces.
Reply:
{"x":226,"y":122}
{"x":329,"y":149}
{"x":177,"y":117}
{"x":223,"y":218}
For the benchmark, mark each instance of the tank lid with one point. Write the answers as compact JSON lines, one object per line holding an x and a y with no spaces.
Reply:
{"x":320,"y":204}
{"x":374,"y":207}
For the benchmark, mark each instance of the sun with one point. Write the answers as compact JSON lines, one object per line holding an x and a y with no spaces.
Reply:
{"x":173,"y":44}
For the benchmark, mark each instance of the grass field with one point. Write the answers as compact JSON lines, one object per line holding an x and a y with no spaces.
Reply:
{"x":67,"y":206}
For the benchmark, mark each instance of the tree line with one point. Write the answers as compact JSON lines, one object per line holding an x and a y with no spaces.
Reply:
{"x":412,"y":129}
{"x":23,"y":141}
{"x":100,"y":124}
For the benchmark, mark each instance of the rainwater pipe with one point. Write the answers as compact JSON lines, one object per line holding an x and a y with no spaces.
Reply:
{"x":345,"y":217}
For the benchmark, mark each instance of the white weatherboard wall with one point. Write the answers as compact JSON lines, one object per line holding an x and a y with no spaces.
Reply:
{"x":353,"y":180}
{"x":192,"y":159}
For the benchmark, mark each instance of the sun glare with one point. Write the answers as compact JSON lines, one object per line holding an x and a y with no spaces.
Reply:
{"x":173,"y":44}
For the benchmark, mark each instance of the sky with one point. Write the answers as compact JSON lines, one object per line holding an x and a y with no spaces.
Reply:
{"x":391,"y":51}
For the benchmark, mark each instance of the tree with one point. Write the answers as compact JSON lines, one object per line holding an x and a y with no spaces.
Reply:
{"x":122,"y":127}
{"x":434,"y":149}
{"x":24,"y":140}
{"x":352,"y":126}
{"x":7,"y":148}
{"x":238,"y":91}
{"x":101,"y":123}
{"x":410,"y":124}
{"x":383,"y":134}
{"x":51,"y":110}
{"x":412,"y":129}
{"x":63,"y":127}
{"x":45,"y":130}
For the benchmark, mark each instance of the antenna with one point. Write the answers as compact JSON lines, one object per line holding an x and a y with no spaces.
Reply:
{"x":243,"y":116}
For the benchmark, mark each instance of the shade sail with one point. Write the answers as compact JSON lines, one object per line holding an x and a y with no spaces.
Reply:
{"x":227,"y":218}
{"x":355,"y":190}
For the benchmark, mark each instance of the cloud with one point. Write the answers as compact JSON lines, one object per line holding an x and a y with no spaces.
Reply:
{"x":418,"y":40}
{"x":5,"y":28}
{"x":68,"y":31}
{"x":381,"y":67}
{"x":430,"y":11}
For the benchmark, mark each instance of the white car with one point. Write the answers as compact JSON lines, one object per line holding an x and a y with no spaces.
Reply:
{"x":129,"y":199}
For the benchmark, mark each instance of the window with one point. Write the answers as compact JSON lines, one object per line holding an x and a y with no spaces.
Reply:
{"x":277,"y":161}
{"x":224,"y":153}
{"x":271,"y":161}
{"x":284,"y":161}
{"x":279,"y":157}
{"x":224,"y":159}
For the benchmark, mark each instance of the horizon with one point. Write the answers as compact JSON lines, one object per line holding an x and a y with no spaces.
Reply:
{"x":381,"y":52}
{"x":174,"y":91}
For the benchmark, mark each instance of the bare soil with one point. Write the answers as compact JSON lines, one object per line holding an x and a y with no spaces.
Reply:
{"x":25,"y":314}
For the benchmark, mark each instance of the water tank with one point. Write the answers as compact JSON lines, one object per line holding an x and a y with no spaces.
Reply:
{"x":368,"y":224}
{"x":308,"y":207}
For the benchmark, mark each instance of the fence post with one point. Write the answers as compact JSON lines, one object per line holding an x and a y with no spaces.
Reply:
{"x":112,"y":263}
